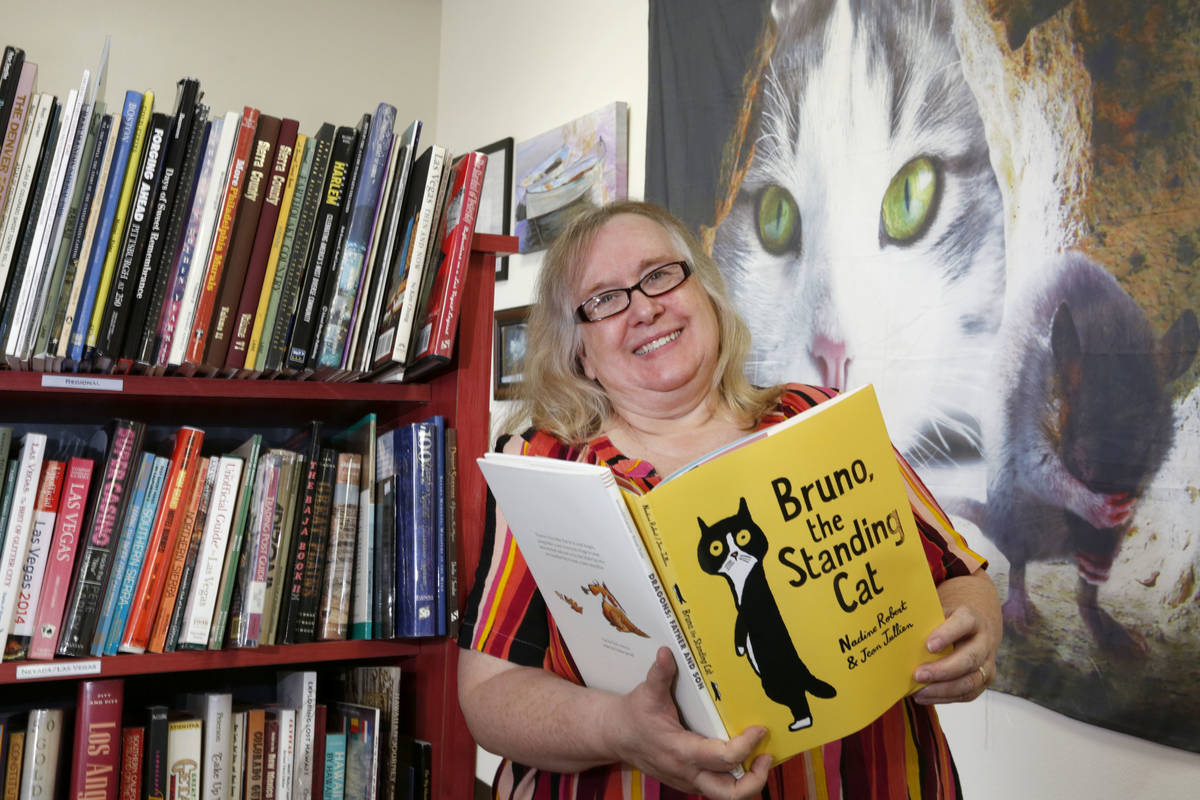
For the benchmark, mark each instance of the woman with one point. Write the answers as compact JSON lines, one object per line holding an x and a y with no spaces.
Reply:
{"x":634,"y":359}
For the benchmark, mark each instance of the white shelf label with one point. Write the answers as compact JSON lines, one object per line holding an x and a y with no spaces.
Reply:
{"x":82,"y":382}
{"x":58,"y":669}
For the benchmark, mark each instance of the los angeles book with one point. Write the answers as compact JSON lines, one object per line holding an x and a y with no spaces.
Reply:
{"x":784,"y":572}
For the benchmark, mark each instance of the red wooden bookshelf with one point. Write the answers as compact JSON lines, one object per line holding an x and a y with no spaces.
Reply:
{"x":461,"y":394}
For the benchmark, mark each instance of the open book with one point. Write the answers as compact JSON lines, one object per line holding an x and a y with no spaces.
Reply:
{"x":785,"y":573}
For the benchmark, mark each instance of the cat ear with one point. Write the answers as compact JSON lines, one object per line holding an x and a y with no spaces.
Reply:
{"x":703,"y":527}
{"x":743,"y":509}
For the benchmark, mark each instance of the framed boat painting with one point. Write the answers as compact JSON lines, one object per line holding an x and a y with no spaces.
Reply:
{"x":578,"y":165}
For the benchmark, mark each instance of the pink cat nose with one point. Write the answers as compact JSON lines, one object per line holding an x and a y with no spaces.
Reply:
{"x":830,"y":359}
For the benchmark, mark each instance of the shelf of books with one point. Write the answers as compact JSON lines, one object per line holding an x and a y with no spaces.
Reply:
{"x":244,"y":377}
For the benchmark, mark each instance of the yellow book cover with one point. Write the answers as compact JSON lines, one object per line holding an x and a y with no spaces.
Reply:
{"x":791,"y":561}
{"x":264,"y":298}
{"x":118,"y":226}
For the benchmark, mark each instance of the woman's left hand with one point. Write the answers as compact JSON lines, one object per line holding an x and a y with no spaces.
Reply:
{"x":973,"y":625}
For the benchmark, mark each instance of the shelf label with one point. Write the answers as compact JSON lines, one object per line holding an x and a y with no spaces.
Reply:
{"x":58,"y":669}
{"x":82,"y":382}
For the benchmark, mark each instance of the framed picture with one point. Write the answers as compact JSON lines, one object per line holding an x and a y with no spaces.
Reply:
{"x":508,"y":345}
{"x":495,"y":200}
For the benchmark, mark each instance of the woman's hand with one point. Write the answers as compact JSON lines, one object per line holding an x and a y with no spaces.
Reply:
{"x":647,"y":734}
{"x":973,"y":625}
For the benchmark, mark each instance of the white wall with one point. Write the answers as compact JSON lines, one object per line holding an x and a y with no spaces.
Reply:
{"x":523,"y":66}
{"x":307,"y":59}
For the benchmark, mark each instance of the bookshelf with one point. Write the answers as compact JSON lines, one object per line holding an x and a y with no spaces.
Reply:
{"x":428,"y":684}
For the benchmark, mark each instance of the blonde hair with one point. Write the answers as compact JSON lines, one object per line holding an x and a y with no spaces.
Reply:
{"x":555,"y":395}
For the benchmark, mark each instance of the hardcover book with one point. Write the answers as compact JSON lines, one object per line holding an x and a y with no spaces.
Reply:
{"x":96,"y":754}
{"x":297,"y":689}
{"x":334,"y":622}
{"x":104,"y":521}
{"x":185,"y":748}
{"x":43,"y":747}
{"x":361,"y":438}
{"x":67,"y":525}
{"x":168,"y":523}
{"x":133,"y":751}
{"x":299,"y":552}
{"x":36,"y":556}
{"x":214,"y":542}
{"x":314,"y":562}
{"x":248,"y":451}
{"x":792,"y":592}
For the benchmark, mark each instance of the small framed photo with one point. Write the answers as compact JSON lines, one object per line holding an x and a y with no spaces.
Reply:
{"x":508,"y":344}
{"x":495,"y":200}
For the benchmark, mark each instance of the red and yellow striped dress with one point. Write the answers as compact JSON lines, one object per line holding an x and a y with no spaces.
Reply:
{"x":903,"y":754}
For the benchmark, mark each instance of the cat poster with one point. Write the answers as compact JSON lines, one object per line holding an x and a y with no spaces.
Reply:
{"x":986,"y":209}
{"x":578,"y":165}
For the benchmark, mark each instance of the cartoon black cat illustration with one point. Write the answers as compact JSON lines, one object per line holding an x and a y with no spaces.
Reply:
{"x":734,"y":548}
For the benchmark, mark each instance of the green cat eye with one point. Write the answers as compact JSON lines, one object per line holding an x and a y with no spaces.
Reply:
{"x":778,"y":220}
{"x":909,"y":200}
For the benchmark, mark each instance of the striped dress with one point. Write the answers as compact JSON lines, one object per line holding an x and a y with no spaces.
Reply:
{"x":903,"y":754}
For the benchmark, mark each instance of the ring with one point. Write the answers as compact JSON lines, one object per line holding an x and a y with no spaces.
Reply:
{"x":983,"y":674}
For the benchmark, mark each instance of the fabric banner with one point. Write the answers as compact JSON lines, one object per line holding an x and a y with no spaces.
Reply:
{"x":987,"y":209}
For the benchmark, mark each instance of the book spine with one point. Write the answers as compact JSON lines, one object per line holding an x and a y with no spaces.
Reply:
{"x":43,"y":743}
{"x":106,"y":222}
{"x":171,"y":206}
{"x":34,"y":567}
{"x":441,"y":323}
{"x":317,"y":789}
{"x":129,"y":187}
{"x":422,"y":528}
{"x":19,"y":197}
{"x":216,"y":711}
{"x":24,"y":273}
{"x":298,"y":690}
{"x":202,"y":320}
{"x":180,"y":266}
{"x":320,"y":147}
{"x":299,"y":555}
{"x":339,"y":550}
{"x":385,"y":539}
{"x":249,"y":453}
{"x":286,"y":759}
{"x":417,"y":256}
{"x":12,"y":767}
{"x":237,"y":762}
{"x":14,"y":125}
{"x":275,"y":175}
{"x":167,"y":524}
{"x":79,"y":211}
{"x":335,"y":766}
{"x":333,"y":198}
{"x":453,"y":614}
{"x":281,"y":542}
{"x":96,"y":755}
{"x":154,"y":773}
{"x":77,"y":265}
{"x":120,"y":297}
{"x":314,"y":565}
{"x":133,"y":751}
{"x":436,"y":427}
{"x":210,"y":212}
{"x":244,"y":233}
{"x":259,"y":555}
{"x":56,"y":581}
{"x":137,"y":554}
{"x":347,"y":283}
{"x":256,"y":753}
{"x":20,"y":524}
{"x":203,"y":596}
{"x":281,"y":245}
{"x":165,"y":633}
{"x":185,"y":748}
{"x":81,"y":131}
{"x":121,"y":556}
{"x":108,"y":510}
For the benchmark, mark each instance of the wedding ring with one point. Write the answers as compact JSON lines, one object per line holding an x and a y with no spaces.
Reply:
{"x":983,"y":674}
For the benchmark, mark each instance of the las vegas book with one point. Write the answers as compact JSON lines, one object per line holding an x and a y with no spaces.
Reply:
{"x":785,"y":573}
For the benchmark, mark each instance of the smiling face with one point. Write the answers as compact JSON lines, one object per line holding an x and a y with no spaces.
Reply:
{"x":661,"y":352}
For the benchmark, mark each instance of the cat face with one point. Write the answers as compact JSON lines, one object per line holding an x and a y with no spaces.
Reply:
{"x":865,"y":243}
{"x":730,"y":542}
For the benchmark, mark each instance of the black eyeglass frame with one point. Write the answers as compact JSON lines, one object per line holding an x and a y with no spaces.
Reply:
{"x":582,"y":316}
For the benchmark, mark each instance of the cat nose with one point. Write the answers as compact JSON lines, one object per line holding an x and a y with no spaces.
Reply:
{"x":830,"y":359}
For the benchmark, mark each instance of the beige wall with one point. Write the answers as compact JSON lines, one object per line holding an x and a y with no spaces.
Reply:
{"x":306,"y":59}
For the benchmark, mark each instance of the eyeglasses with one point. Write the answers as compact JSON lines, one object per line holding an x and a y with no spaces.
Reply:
{"x":658,"y":281}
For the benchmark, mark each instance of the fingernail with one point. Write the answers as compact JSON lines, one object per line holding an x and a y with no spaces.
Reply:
{"x":934,"y":645}
{"x":922,"y":676}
